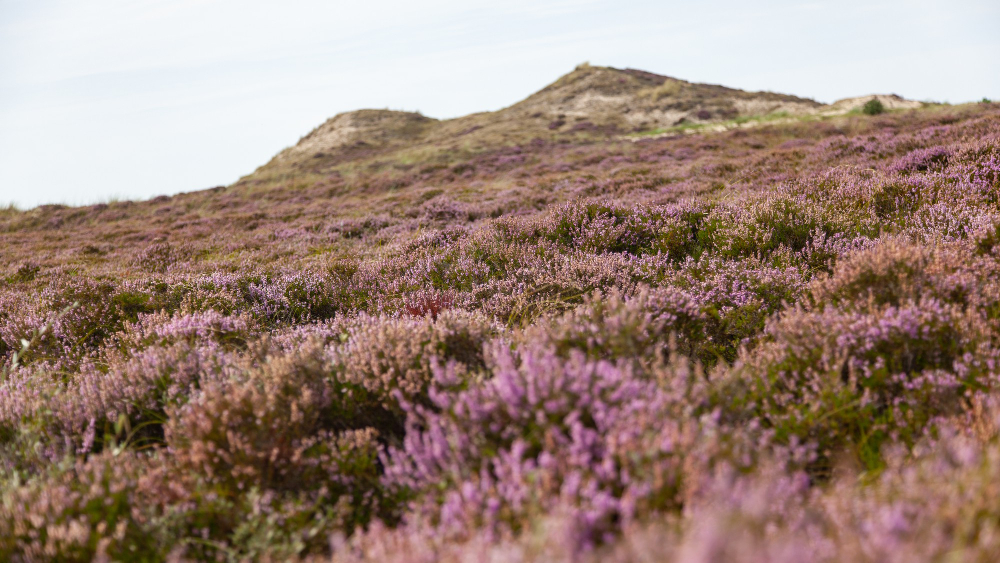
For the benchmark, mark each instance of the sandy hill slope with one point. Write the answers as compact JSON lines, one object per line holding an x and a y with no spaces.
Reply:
{"x":359,"y":130}
{"x":889,"y":102}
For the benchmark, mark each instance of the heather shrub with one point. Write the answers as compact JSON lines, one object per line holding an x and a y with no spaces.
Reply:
{"x":932,"y":205}
{"x":857,"y":204}
{"x":122,"y":403}
{"x":96,"y":310}
{"x":894,"y":199}
{"x":615,"y":327}
{"x":521,"y":304}
{"x":736,"y":298}
{"x":256,"y":430}
{"x":163,"y":329}
{"x":359,"y":227}
{"x":205,"y":294}
{"x":386,"y":355}
{"x":596,"y":227}
{"x":262,"y":295}
{"x":945,"y":223}
{"x":761,"y":226}
{"x":270,"y":299}
{"x":15,"y":325}
{"x":296,"y":524}
{"x":823,"y":251}
{"x":80,"y":511}
{"x":897,"y":271}
{"x":987,"y":239}
{"x":158,"y":257}
{"x":156,"y":362}
{"x":70,"y":319}
{"x":922,"y":160}
{"x":62,"y":324}
{"x":295,"y":337}
{"x":733,"y":511}
{"x":544,"y":430}
{"x":977,"y":164}
{"x":599,"y":227}
{"x":928,"y":506}
{"x":856,"y":378}
{"x":441,"y":272}
{"x":144,"y":386}
{"x":319,"y":296}
{"x":289,"y":431}
{"x":286,"y":528}
{"x":26,"y":423}
{"x":24,"y":273}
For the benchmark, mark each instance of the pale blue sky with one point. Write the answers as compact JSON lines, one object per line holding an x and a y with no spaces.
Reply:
{"x":131,"y":99}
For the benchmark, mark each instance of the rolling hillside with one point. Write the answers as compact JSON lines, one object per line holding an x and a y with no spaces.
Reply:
{"x":630,"y":318}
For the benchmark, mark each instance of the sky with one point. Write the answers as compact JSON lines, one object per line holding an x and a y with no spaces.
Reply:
{"x":125,"y":99}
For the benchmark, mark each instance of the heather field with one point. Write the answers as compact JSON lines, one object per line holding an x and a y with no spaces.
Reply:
{"x":772,"y":340}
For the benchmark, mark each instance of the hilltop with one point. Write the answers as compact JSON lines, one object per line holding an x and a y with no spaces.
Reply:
{"x":589,"y":102}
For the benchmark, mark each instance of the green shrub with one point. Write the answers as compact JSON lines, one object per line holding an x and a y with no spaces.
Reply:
{"x":873,"y":107}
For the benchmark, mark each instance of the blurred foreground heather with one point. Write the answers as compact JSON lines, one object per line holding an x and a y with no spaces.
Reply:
{"x":776,"y":343}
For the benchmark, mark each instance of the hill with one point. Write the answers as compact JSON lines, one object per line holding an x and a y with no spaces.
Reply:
{"x":629,"y":318}
{"x":590,"y":100}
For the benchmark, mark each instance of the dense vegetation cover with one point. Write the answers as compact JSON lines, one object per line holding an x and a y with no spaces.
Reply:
{"x":772,"y":343}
